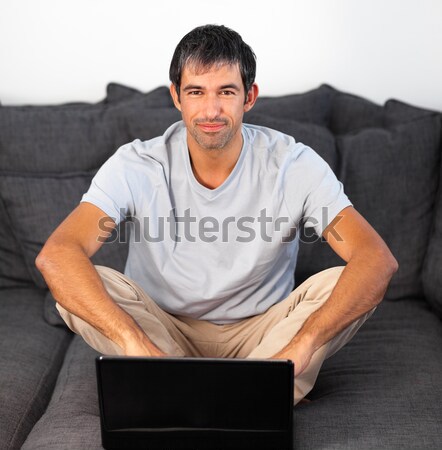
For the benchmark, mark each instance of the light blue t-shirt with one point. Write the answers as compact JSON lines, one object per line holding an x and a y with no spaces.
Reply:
{"x":219,"y":254}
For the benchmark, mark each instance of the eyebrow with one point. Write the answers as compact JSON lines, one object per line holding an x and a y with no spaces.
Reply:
{"x":192,"y":87}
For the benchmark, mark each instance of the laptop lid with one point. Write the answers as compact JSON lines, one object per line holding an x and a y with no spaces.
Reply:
{"x":195,"y":403}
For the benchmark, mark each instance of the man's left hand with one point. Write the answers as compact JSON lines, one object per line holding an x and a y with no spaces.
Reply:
{"x":300,"y":355}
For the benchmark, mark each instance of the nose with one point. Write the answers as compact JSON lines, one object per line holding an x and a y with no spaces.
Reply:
{"x":212,"y":107}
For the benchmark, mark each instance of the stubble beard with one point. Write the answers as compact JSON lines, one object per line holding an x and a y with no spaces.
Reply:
{"x":214,"y":140}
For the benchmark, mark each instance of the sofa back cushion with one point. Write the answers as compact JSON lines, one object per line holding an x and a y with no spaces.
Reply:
{"x":158,"y":98}
{"x":64,"y":138}
{"x":431,"y":273}
{"x":349,"y":113}
{"x":13,"y":270}
{"x":388,"y":159}
{"x":37,"y":204}
{"x":312,"y":106}
{"x":391,"y":176}
{"x":48,"y":155}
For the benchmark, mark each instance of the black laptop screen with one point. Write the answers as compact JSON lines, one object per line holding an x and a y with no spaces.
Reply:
{"x":195,"y":393}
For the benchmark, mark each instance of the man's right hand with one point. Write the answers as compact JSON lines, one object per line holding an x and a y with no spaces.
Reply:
{"x":143,"y":348}
{"x":65,"y":264}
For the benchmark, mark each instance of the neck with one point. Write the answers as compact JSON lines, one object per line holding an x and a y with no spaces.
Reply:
{"x":212,"y":167}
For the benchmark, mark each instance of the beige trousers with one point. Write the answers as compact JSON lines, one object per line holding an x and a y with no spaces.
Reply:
{"x":260,"y":336}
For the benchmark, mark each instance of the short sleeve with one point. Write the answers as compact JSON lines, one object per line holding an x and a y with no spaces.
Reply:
{"x":111,"y":189}
{"x":312,"y":184}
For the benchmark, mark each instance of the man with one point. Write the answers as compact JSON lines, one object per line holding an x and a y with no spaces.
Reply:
{"x":230,"y":195}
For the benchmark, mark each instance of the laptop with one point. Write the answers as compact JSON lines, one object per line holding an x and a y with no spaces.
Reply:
{"x":195,"y":403}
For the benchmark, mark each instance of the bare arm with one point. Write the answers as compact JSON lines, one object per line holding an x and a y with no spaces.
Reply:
{"x":74,"y":282}
{"x":361,"y":286}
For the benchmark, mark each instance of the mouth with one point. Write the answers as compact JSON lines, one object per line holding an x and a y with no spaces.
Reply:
{"x":211,"y":127}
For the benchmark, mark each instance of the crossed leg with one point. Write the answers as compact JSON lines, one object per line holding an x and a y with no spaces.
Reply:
{"x":260,"y":336}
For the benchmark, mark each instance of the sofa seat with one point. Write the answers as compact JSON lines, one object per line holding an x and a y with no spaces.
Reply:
{"x":399,"y":346}
{"x":73,"y":406}
{"x":31,"y":354}
{"x":383,"y":389}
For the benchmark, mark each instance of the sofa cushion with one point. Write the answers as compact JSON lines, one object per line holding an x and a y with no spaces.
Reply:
{"x":36,"y":139}
{"x":58,"y":138}
{"x":65,"y":138}
{"x":379,"y":391}
{"x":31,"y":354}
{"x":400,"y":112}
{"x":158,"y":98}
{"x":13,"y":271}
{"x":50,"y":312}
{"x":391,"y":176}
{"x":115,"y":92}
{"x":431,"y":275}
{"x":350,"y":113}
{"x":312,"y":106}
{"x":432,"y":280}
{"x":72,"y":418}
{"x":148,"y":123}
{"x":382,"y":390}
{"x":38,"y":204}
{"x":143,"y":116}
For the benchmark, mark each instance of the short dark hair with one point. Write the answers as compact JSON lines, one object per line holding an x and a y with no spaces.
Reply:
{"x":211,"y":44}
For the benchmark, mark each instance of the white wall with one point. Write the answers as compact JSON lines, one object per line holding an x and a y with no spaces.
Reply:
{"x":64,"y":50}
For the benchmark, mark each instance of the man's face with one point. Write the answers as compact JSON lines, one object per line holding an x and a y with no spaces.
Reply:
{"x":212,"y":104}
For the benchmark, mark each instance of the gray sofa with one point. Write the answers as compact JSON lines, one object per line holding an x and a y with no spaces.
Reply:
{"x":383,"y":390}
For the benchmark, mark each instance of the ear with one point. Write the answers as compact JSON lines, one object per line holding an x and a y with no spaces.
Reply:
{"x":252,"y":96}
{"x":175,"y":97}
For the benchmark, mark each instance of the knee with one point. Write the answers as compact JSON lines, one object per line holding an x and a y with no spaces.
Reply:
{"x":102,"y":270}
{"x":337,"y":270}
{"x":332,"y":275}
{"x":63,"y":312}
{"x":110,"y":276}
{"x":66,"y":316}
{"x":117,"y":285}
{"x":327,"y":278}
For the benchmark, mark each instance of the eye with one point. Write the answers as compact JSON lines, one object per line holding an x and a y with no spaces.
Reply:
{"x":227,"y":93}
{"x":194,"y":92}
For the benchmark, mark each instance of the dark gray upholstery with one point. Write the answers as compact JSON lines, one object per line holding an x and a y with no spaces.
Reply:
{"x":13,"y":271}
{"x":53,"y":139}
{"x":398,"y":147}
{"x":147,"y":123}
{"x":60,"y":138}
{"x":158,"y":98}
{"x":73,"y":406}
{"x":31,"y":354}
{"x":313,"y":106}
{"x":431,"y":273}
{"x":30,"y":200}
{"x":396,"y":190}
{"x":350,"y":113}
{"x":364,"y":388}
{"x":382,"y":390}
